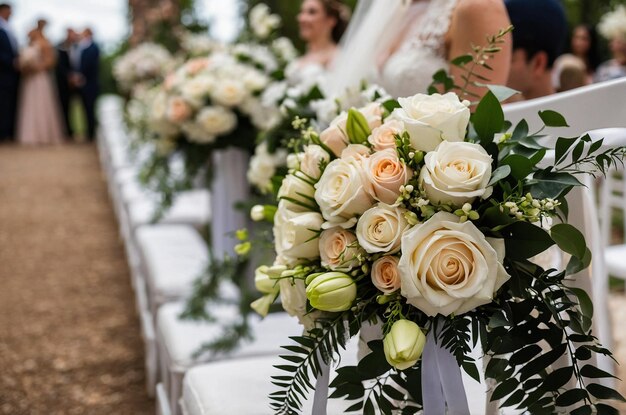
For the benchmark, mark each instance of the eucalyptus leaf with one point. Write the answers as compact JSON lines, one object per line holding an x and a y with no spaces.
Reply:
{"x":488,"y":119}
{"x":500,"y":173}
{"x":552,"y":119}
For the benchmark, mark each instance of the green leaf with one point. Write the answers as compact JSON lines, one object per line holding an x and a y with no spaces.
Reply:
{"x":562,"y":146}
{"x":520,"y":132}
{"x":577,"y":152}
{"x":374,"y":364}
{"x":500,"y":173}
{"x":576,"y":265}
{"x":552,"y":185}
{"x":569,"y":239}
{"x":570,"y":397}
{"x":542,"y":362}
{"x":524,"y":240}
{"x":552,"y":119}
{"x":521,"y":166}
{"x":555,"y":380}
{"x":391,"y":105}
{"x":603,"y":392}
{"x":471,"y":369}
{"x":590,"y":371}
{"x":368,"y":409}
{"x":524,"y":355}
{"x":586,"y":305}
{"x":462,"y":60}
{"x":595,"y":146}
{"x":604,"y":409}
{"x":504,"y":389}
{"x":488,"y":118}
{"x":583,"y":410}
{"x":500,"y":91}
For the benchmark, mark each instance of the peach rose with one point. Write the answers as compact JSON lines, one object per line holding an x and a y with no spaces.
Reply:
{"x":385,"y":275}
{"x":178,"y":110}
{"x":335,"y":139}
{"x":196,"y":65}
{"x":373,"y":113}
{"x":386,"y":174}
{"x":384,"y":136}
{"x":356,"y":151}
{"x":339,"y":249}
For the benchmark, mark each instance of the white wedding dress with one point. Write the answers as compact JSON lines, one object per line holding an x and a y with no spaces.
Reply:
{"x":421,"y":51}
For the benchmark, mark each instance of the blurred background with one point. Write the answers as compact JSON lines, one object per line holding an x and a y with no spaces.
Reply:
{"x":120,"y":23}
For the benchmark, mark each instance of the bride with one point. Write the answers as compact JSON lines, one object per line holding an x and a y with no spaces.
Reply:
{"x":400,"y":44}
{"x":39,"y":116}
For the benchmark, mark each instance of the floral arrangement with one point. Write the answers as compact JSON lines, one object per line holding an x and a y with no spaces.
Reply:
{"x":613,"y":24}
{"x":147,"y":62}
{"x":422,"y":219}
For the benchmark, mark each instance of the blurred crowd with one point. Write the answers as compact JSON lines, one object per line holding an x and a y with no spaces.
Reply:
{"x":38,"y":82}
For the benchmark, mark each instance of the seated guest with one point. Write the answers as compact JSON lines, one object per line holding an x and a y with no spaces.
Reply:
{"x":572,"y":73}
{"x":613,"y":27}
{"x":539,"y":34}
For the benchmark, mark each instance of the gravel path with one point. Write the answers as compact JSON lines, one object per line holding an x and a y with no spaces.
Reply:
{"x":69,"y":335}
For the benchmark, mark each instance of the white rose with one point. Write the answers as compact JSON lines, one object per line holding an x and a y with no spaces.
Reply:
{"x":295,"y":234}
{"x":311,"y":160}
{"x":260,"y":171}
{"x":456,"y":173}
{"x":196,"y":133}
{"x":449,"y":267}
{"x":217,"y":120}
{"x":339,"y":250}
{"x":229,"y":93}
{"x":431,"y":119}
{"x":380,"y":229}
{"x":386,"y":173}
{"x":373,"y":113}
{"x":255,"y":81}
{"x":385,"y":274}
{"x":196,"y":90}
{"x":342,"y":193}
{"x":293,"y":161}
{"x":384,"y":136}
{"x":295,"y":191}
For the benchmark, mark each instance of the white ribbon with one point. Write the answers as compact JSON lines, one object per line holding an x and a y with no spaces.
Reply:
{"x":320,"y":398}
{"x":442,"y":384}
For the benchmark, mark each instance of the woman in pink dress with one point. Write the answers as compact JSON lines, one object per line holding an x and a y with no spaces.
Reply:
{"x":39,"y":115}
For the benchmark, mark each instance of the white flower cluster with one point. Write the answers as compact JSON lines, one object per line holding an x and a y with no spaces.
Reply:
{"x":328,"y":108}
{"x":262,"y":21}
{"x":195,"y":44}
{"x":340,"y":207}
{"x":613,"y":24}
{"x":263,"y":165}
{"x":146,"y":62}
{"x":204,"y":97}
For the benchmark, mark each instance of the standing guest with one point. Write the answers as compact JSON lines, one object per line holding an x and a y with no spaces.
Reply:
{"x":63,"y":77}
{"x":613,"y":27}
{"x":584,"y":45}
{"x":89,"y":83}
{"x":583,"y":50}
{"x":9,"y":75}
{"x":39,"y":115}
{"x":539,"y":34}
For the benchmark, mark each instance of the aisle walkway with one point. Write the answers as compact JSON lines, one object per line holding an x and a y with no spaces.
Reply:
{"x":69,"y":336}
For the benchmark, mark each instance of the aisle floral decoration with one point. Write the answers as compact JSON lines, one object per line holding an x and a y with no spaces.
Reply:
{"x":145,"y":65}
{"x":207,"y":103}
{"x":420,"y":219}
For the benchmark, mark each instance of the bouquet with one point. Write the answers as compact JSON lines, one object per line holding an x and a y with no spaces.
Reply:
{"x":422,"y":219}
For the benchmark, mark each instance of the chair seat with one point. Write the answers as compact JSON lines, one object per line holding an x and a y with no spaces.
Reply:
{"x":191,"y":207}
{"x":615,"y":257}
{"x":182,"y":338}
{"x":173,"y":257}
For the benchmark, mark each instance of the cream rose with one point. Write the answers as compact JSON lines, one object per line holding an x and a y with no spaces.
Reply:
{"x":380,"y":229}
{"x":196,"y":90}
{"x":229,"y":93}
{"x":295,"y":234}
{"x":384,"y":136}
{"x":357,"y":151}
{"x":386,"y":174}
{"x":178,"y":110}
{"x":297,"y":192}
{"x":431,"y":119}
{"x":373,"y":113}
{"x":449,"y":267}
{"x":311,"y":159}
{"x":339,"y":250}
{"x":456,"y":173}
{"x":335,"y":139}
{"x":385,"y":274}
{"x":342,"y":193}
{"x":217,"y":120}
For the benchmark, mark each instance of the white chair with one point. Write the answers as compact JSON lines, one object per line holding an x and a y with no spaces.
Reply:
{"x":588,"y":108}
{"x":613,"y":197}
{"x":178,"y":340}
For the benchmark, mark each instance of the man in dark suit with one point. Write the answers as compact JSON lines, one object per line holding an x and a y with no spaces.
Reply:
{"x":90,"y":84}
{"x":63,"y":76}
{"x":9,"y":75}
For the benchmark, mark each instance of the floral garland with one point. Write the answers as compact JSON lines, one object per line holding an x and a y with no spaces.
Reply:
{"x":422,"y":218}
